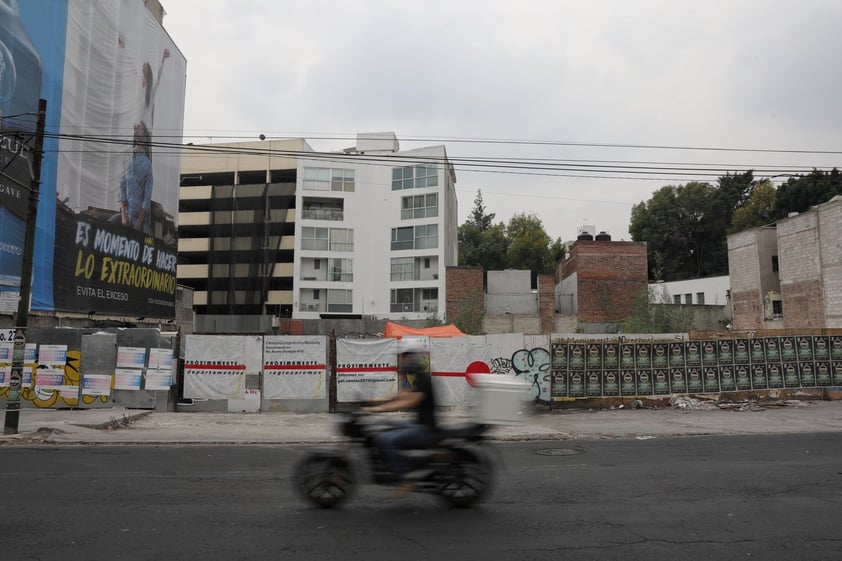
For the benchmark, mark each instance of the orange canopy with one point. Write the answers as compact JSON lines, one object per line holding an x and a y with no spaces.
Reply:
{"x":397,"y":331}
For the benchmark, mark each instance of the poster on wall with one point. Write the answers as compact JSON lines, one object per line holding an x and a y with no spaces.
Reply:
{"x":215,"y":366}
{"x":559,"y":385}
{"x":294,"y":367}
{"x":366,"y":370}
{"x":114,"y":85}
{"x":127,"y":379}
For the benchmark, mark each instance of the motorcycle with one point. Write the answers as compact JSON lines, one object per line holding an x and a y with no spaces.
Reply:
{"x":453,"y":466}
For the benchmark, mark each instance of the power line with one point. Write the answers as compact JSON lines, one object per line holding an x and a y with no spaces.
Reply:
{"x":577,"y":168}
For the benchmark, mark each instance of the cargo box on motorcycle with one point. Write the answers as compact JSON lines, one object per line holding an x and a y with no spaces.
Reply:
{"x":503,"y":400}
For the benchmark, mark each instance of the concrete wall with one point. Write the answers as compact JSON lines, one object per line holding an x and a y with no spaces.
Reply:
{"x":510,"y":292}
{"x":811,"y":267}
{"x":751,"y":277}
{"x":714,"y":291}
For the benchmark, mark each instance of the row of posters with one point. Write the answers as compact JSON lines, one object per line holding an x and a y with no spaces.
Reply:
{"x":600,"y":355}
{"x":46,"y":364}
{"x":614,"y":369}
{"x":666,"y":381}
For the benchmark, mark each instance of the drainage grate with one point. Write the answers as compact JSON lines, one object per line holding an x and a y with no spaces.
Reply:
{"x":559,"y":452}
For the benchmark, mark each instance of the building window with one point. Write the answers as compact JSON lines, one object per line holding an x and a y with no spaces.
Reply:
{"x":688,"y":298}
{"x":403,"y":269}
{"x":775,"y":266}
{"x":317,"y":264}
{"x":429,"y":293}
{"x":342,"y":180}
{"x":676,"y":299}
{"x":327,"y":239}
{"x":314,"y":238}
{"x":402,"y":300}
{"x":340,"y":301}
{"x":700,"y":298}
{"x":426,"y":262}
{"x":403,"y":238}
{"x":315,"y":294}
{"x":425,"y":236}
{"x":322,"y":209}
{"x":340,"y":270}
{"x":327,"y":179}
{"x":420,"y":206}
{"x":415,"y":177}
{"x":777,"y":308}
{"x":341,"y":239}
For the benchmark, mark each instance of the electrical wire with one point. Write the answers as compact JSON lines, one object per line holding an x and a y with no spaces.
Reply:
{"x":551,"y":167}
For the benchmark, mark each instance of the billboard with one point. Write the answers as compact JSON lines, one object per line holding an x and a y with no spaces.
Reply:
{"x":114,"y":82}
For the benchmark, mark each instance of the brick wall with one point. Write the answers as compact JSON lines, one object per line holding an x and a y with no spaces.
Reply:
{"x":465,"y":295}
{"x":609,"y":275}
{"x":546,"y":302}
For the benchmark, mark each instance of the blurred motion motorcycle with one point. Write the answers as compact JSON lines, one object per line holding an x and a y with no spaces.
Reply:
{"x":453,"y":466}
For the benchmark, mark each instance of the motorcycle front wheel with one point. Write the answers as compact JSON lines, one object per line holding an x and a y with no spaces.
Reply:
{"x":468,"y":479}
{"x":324,"y":480}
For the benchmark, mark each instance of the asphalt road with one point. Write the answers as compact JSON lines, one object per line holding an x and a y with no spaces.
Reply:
{"x":692,"y":498}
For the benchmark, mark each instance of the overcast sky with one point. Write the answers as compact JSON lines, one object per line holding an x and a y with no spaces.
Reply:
{"x":617,"y":83}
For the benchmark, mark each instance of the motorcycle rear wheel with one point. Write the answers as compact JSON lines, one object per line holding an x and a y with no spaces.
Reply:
{"x":325,"y":480}
{"x":469,"y":478}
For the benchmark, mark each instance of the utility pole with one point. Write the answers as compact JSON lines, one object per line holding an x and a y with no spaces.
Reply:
{"x":10,"y":425}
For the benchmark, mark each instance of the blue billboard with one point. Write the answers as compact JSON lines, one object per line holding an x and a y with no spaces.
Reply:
{"x":114,"y":82}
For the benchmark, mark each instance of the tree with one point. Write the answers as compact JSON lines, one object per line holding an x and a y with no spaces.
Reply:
{"x":484,"y":248}
{"x":801,"y":192}
{"x":758,"y":210}
{"x":479,"y":217}
{"x":529,"y":245}
{"x":480,"y":241}
{"x":688,"y":225}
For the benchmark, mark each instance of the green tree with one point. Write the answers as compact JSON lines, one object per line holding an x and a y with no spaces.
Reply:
{"x":529,"y":245}
{"x":801,"y":192}
{"x":758,"y":210}
{"x":522,"y":244}
{"x":480,"y":241}
{"x":486,"y":248}
{"x":479,"y":217}
{"x":688,"y":225}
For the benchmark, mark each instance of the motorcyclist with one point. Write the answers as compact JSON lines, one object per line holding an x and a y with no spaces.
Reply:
{"x":419,"y":395}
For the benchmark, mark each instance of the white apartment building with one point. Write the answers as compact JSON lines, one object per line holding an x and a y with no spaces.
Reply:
{"x":376,"y":228}
{"x":274,"y":228}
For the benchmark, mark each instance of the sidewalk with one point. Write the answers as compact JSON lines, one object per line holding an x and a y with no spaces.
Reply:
{"x":132,"y":426}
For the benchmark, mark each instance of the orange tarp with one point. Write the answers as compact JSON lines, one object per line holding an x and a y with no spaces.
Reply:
{"x":397,"y":331}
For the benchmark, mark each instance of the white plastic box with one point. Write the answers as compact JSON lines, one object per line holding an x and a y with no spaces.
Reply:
{"x":503,"y":400}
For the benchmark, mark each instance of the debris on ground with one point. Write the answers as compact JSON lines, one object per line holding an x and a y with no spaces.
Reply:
{"x":686,"y":403}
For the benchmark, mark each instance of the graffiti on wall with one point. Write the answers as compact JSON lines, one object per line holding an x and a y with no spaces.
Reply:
{"x":530,"y":365}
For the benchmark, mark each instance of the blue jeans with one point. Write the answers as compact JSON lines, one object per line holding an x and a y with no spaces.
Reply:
{"x":392,"y":442}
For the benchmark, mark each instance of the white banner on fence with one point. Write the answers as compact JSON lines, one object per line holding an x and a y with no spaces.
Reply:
{"x":452,"y":360}
{"x":366,"y":370}
{"x":215,"y":366}
{"x":294,"y":367}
